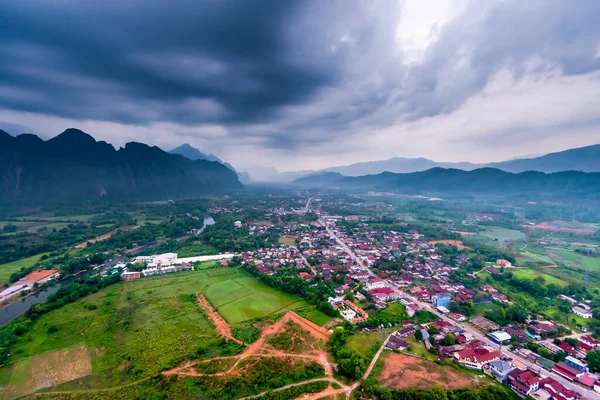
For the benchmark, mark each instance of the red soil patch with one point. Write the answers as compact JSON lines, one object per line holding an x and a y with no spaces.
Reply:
{"x":39,"y":275}
{"x":457,"y":243}
{"x":401,"y":371}
{"x":222,"y":327}
{"x":257,"y":348}
{"x":314,"y":329}
{"x":562,"y":226}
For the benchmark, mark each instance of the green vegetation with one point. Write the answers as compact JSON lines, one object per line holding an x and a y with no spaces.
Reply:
{"x":295,"y":392}
{"x":288,"y":241}
{"x":531,"y":275}
{"x":350,"y":363}
{"x":247,"y":334}
{"x":501,"y":235}
{"x":231,"y":298}
{"x":315,"y":316}
{"x":162,"y":310}
{"x":6,"y":270}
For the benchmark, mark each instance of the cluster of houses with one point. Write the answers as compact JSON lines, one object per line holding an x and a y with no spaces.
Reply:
{"x":582,"y":309}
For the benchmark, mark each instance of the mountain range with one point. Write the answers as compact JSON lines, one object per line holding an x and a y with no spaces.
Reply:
{"x":586,"y":159}
{"x":74,"y":166}
{"x":484,"y":181}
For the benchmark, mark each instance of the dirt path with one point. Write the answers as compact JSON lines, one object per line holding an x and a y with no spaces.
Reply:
{"x":222,"y":327}
{"x":256,"y":349}
{"x":311,"y":327}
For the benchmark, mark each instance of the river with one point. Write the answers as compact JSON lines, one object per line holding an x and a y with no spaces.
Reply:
{"x":19,"y":307}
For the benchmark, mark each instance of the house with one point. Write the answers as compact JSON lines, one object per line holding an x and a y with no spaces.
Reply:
{"x":556,"y":390}
{"x":503,"y":263}
{"x":588,"y":343}
{"x":406,"y":331}
{"x":523,"y":382}
{"x":500,"y":369}
{"x":395,"y":343}
{"x":129,"y":276}
{"x":520,"y":335}
{"x":340,"y":290}
{"x":375,"y":283}
{"x":582,"y":312}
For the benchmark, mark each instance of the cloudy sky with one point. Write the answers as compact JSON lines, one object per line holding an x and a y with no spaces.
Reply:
{"x":307,"y":84}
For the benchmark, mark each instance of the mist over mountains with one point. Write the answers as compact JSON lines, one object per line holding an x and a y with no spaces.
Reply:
{"x":484,"y":181}
{"x":586,"y":159}
{"x":74,"y":166}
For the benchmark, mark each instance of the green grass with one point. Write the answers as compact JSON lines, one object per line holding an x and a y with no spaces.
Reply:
{"x":500,"y":235}
{"x":363,"y":343}
{"x":288,"y":241}
{"x":393,"y":310}
{"x":317,"y":317}
{"x":142,"y":327}
{"x":6,"y":270}
{"x":528,"y":256}
{"x":532,"y":274}
{"x":574,"y":260}
{"x":246,"y":298}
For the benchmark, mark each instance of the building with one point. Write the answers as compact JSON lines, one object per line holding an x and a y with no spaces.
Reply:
{"x":503,"y":263}
{"x":500,"y":337}
{"x":568,"y":371}
{"x":500,"y":369}
{"x":129,"y":276}
{"x":582,"y":312}
{"x":441,"y":300}
{"x":523,"y":382}
{"x":395,"y":343}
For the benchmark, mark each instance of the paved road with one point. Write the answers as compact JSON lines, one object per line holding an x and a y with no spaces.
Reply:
{"x":566,"y":383}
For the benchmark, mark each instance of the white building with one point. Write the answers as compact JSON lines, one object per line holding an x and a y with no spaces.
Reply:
{"x":583,"y":313}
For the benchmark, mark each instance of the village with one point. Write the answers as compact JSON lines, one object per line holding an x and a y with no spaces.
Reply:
{"x":325,"y":252}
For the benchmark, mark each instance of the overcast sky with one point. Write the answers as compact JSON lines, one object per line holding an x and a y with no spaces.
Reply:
{"x":307,"y":84}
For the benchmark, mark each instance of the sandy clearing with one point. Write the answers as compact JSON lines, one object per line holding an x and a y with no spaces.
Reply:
{"x":401,"y":371}
{"x":48,"y":369}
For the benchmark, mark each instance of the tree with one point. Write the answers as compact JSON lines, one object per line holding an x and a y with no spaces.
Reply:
{"x":449,"y":339}
{"x":418,"y":335}
{"x":593,"y":360}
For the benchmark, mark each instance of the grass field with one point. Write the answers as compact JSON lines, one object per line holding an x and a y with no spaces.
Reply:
{"x":363,"y":343}
{"x":288,"y":241}
{"x":316,"y":316}
{"x":48,"y":369}
{"x":6,"y":270}
{"x":528,"y":256}
{"x":138,"y":328}
{"x":500,"y":235}
{"x":532,"y":274}
{"x":574,"y":260}
{"x":245,"y":298}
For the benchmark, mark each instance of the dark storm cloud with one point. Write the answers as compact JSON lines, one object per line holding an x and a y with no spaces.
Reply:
{"x":282,"y":75}
{"x":224,"y":60}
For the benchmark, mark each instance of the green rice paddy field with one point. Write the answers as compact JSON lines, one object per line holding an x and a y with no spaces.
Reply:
{"x":244,"y":298}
